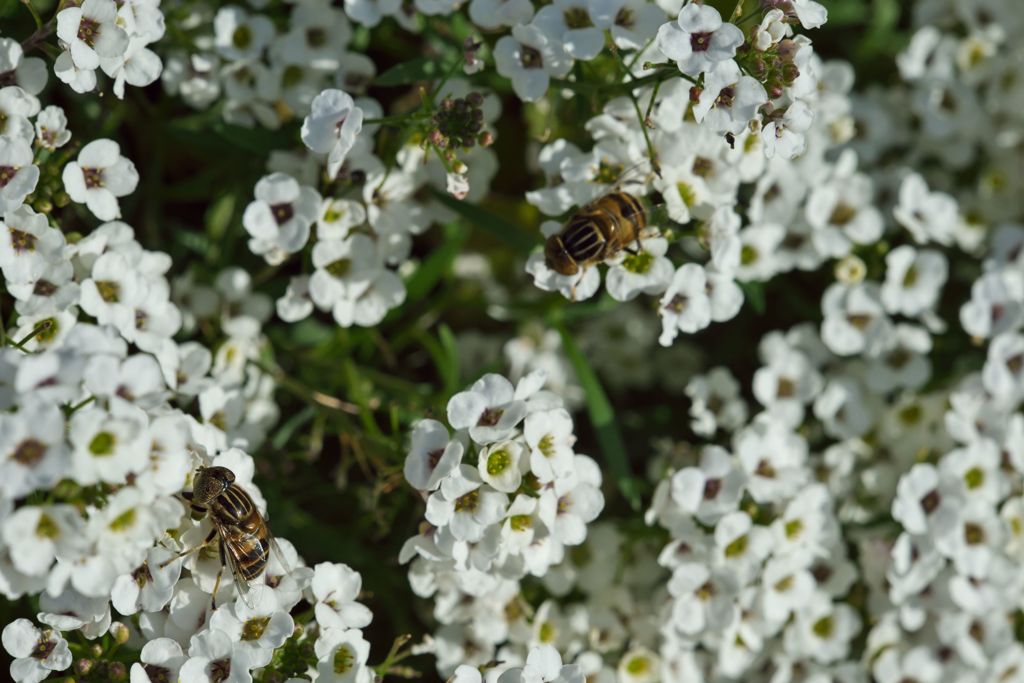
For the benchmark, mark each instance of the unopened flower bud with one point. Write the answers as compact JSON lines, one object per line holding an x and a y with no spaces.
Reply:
{"x":475,"y":99}
{"x":96,"y":650}
{"x":83,"y":666}
{"x":787,"y":50}
{"x":695,"y":92}
{"x":485,"y":139}
{"x":790,"y":72}
{"x":775,"y":91}
{"x":117,"y":671}
{"x":850,"y":270}
{"x":120,"y":632}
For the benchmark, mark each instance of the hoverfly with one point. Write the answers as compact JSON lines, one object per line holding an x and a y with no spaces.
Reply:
{"x":244,"y":538}
{"x":596,"y":232}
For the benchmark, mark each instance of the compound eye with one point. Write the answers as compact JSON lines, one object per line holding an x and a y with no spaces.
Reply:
{"x":229,"y":476}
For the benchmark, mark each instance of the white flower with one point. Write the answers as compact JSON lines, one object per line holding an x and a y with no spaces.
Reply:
{"x":773,"y":458}
{"x":854,"y":320}
{"x":137,"y":65}
{"x":335,"y":587}
{"x":715,"y":402}
{"x":16,"y":108}
{"x":36,"y":653}
{"x":810,"y":13}
{"x":148,"y":587}
{"x":699,"y":40}
{"x":342,"y":657}
{"x":331,"y":128}
{"x":99,"y":176}
{"x":543,"y":665}
{"x":52,"y":128}
{"x":257,"y":629}
{"x":18,"y":175}
{"x":711,"y":490}
{"x":466,"y":505}
{"x":573,"y":24}
{"x":784,"y":135}
{"x":924,"y":501}
{"x":91,"y":33}
{"x":501,"y":465}
{"x":549,"y":434}
{"x":107,"y":446}
{"x":703,"y":599}
{"x":28,"y":245}
{"x":490,"y":409}
{"x":647,"y":271}
{"x":530,"y":57}
{"x":215,"y":658}
{"x":239,"y":35}
{"x":160,"y":660}
{"x":772,"y":29}
{"x":28,"y":72}
{"x":929,"y":216}
{"x":279,"y":218}
{"x":493,"y":14}
{"x":913,"y":280}
{"x":33,"y":454}
{"x":1003,"y":374}
{"x":685,"y":306}
{"x":38,"y":535}
{"x":433,"y":455}
{"x":729,"y":100}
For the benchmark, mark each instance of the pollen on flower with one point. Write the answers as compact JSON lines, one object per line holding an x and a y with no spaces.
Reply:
{"x":29,"y":452}
{"x":23,"y":241}
{"x":520,"y":522}
{"x":469,"y":502}
{"x":794,"y":528}
{"x":46,"y":527}
{"x":638,"y":666}
{"x":639,"y":263}
{"x":577,"y":17}
{"x":102,"y":444}
{"x":343,"y":660}
{"x":242,"y":37}
{"x":109,"y":290}
{"x":253,"y":629}
{"x":339,"y":268}
{"x":974,"y":478}
{"x":498,"y":461}
{"x":123,"y":521}
{"x":531,"y":58}
{"x":93,"y":177}
{"x":737,"y":547}
{"x":88,"y":31}
{"x":823,"y":627}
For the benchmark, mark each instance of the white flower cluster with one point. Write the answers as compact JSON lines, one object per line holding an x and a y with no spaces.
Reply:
{"x":506,"y":496}
{"x":805,"y":206}
{"x":112,"y":36}
{"x":359,"y":243}
{"x":262,"y":72}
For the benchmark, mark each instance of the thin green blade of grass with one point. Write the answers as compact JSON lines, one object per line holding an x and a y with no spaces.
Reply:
{"x":498,"y":226}
{"x":602,"y":416}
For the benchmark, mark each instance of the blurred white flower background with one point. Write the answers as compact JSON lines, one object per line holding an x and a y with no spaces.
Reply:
{"x":512,"y":341}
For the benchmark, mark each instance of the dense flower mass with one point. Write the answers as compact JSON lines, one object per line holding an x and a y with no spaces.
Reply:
{"x":573,"y":341}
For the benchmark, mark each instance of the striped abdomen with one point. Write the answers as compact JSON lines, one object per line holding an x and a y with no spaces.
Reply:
{"x":603,"y":227}
{"x":243,"y":531}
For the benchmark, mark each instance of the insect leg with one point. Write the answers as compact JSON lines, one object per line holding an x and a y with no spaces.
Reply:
{"x":220,"y":573}
{"x":183,"y":553}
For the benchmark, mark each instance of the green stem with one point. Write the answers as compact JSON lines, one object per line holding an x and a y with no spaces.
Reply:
{"x":35,"y":14}
{"x":39,"y":329}
{"x":81,"y":404}
{"x":651,"y":154}
{"x":396,"y":118}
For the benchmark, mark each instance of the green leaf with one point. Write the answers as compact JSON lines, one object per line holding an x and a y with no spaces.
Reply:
{"x":435,"y":266}
{"x":451,"y":349}
{"x":419,"y":69}
{"x":498,"y":226}
{"x":288,"y":429}
{"x":218,"y":216}
{"x":753,"y":292}
{"x":9,"y":7}
{"x":602,"y":416}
